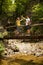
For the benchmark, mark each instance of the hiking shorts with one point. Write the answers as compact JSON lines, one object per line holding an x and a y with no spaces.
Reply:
{"x":18,"y":28}
{"x":27,"y":27}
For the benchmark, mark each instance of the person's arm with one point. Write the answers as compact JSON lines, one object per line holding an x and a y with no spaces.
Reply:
{"x":23,"y":19}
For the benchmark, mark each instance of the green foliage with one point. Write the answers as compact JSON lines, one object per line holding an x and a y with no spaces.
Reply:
{"x":37,"y":30}
{"x":5,"y":33}
{"x":1,"y":35}
{"x":1,"y":47}
{"x":23,"y":6}
{"x":37,"y":17}
{"x":9,"y":6}
{"x":37,"y":11}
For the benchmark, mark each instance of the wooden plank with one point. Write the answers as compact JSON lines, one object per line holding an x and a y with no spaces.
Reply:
{"x":24,"y":37}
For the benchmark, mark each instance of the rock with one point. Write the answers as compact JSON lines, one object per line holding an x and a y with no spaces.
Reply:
{"x":5,"y":53}
{"x":16,"y":47}
{"x":29,"y":53}
{"x":38,"y":54}
{"x":17,"y":52}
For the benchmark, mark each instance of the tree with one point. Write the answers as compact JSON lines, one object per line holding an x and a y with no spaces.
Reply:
{"x":9,"y":6}
{"x":37,"y":17}
{"x":37,"y":11}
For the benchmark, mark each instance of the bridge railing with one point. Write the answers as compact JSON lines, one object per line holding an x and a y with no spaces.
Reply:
{"x":28,"y":37}
{"x":32,"y":25}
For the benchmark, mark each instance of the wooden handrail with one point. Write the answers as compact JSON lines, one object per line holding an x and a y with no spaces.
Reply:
{"x":38,"y":24}
{"x":41,"y":24}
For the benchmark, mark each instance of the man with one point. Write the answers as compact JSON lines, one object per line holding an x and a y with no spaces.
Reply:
{"x":28,"y":24}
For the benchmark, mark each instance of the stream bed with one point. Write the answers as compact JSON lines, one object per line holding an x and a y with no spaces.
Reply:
{"x":18,"y":52}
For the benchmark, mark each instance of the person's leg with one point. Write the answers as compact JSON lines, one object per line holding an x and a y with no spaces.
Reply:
{"x":18,"y":30}
{"x":28,"y":29}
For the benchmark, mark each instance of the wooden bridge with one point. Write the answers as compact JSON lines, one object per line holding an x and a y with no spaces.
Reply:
{"x":24,"y":36}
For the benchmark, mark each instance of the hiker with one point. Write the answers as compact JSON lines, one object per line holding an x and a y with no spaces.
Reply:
{"x":27,"y":23}
{"x":18,"y":24}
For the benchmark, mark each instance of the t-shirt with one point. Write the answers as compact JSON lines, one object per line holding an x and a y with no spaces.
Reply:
{"x":27,"y":21}
{"x":18,"y":23}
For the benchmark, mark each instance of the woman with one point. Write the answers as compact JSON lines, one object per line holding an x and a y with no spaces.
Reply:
{"x":18,"y":24}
